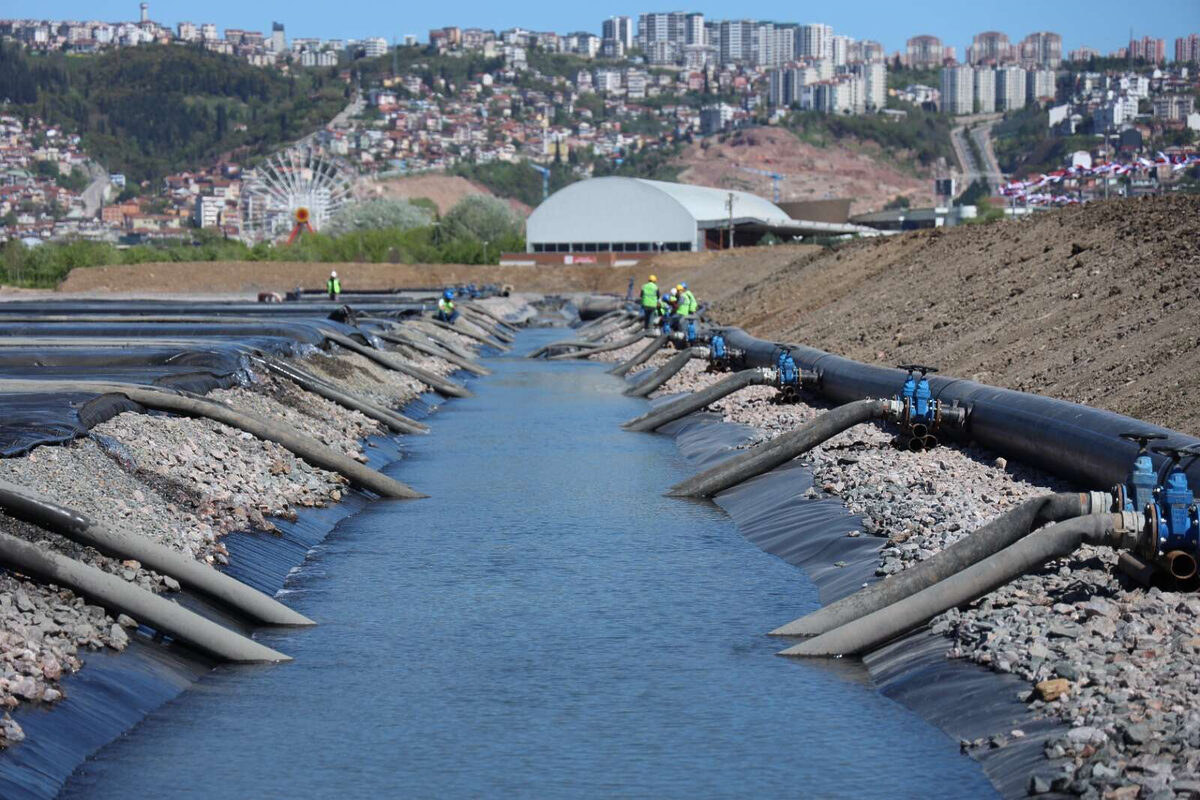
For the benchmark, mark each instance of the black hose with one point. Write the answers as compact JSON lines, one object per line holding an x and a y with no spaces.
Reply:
{"x":660,"y":415}
{"x":781,"y":449}
{"x":644,"y":355}
{"x":27,"y":505}
{"x":188,"y":405}
{"x":1003,"y":531}
{"x":1054,"y":541}
{"x":604,"y":348}
{"x":434,"y":333}
{"x":462,"y":330}
{"x":443,"y":386}
{"x":486,"y":325}
{"x":122,"y":597}
{"x":666,"y":371}
{"x":562,"y":344}
{"x":310,"y":383}
{"x":397,"y":336}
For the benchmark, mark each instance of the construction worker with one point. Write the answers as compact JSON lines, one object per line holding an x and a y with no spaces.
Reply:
{"x":446,"y":311}
{"x":669,"y":309}
{"x":649,"y":299}
{"x":689,"y":301}
{"x":333,"y":286}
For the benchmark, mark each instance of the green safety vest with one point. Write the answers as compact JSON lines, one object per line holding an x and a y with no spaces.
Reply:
{"x":689,"y":300}
{"x":649,"y":294}
{"x":333,"y":286}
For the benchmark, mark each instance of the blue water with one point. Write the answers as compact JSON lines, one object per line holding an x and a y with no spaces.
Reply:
{"x":546,"y":625}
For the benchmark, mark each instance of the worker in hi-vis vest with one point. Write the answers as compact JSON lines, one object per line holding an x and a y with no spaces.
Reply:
{"x":333,"y":286}
{"x":649,"y":299}
{"x":688,"y":305}
{"x":446,"y":311}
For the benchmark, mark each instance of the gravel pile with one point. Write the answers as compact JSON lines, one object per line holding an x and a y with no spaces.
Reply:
{"x":184,"y":483}
{"x":1114,"y":663}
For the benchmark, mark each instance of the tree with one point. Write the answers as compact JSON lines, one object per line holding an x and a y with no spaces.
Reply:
{"x":482,"y":218}
{"x":378,"y":215}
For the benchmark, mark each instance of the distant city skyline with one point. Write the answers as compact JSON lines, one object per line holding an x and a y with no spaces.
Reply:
{"x":1104,"y":25}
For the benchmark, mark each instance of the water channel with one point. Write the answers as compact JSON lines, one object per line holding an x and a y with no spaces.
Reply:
{"x":545,"y":625}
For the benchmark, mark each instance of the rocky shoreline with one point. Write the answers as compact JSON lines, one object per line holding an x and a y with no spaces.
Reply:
{"x":184,"y":483}
{"x":1112,"y":662}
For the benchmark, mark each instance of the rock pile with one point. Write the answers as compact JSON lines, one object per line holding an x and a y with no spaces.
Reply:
{"x":184,"y":483}
{"x":1114,"y":663}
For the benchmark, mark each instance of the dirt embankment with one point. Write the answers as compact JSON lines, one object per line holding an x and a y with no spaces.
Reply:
{"x":1098,"y":304}
{"x":711,"y":275}
{"x":841,"y":169}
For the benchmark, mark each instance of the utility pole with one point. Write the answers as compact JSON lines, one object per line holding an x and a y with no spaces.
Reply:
{"x":729,"y":205}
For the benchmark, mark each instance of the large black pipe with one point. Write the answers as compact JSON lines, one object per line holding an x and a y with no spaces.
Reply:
{"x":1119,"y":531}
{"x":667,"y":371}
{"x":658,"y":416}
{"x":993,"y":537}
{"x":1063,"y":438}
{"x":643,"y":355}
{"x":781,"y":449}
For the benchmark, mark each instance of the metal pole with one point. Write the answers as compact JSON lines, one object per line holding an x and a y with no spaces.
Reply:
{"x":729,"y":203}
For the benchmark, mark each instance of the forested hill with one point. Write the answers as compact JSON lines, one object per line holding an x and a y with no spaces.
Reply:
{"x":151,"y":110}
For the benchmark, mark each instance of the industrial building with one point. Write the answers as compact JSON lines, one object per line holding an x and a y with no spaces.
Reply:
{"x":614,"y":219}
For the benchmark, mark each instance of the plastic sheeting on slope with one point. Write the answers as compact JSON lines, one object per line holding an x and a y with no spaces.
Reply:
{"x":963,"y":699}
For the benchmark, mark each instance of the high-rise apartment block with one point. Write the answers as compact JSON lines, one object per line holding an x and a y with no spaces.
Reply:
{"x":1010,"y":88}
{"x":1150,"y":49}
{"x":984,"y":82}
{"x":923,"y":52}
{"x":814,"y":40}
{"x":618,"y":29}
{"x":1187,"y":49}
{"x":989,"y":47}
{"x":958,"y":90}
{"x":1042,"y":49}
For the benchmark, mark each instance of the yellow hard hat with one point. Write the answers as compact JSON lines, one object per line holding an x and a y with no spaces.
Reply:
{"x":653,"y":278}
{"x":679,"y":287}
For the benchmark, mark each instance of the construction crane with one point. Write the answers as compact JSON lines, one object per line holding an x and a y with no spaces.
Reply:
{"x":774,"y":176}
{"x":545,"y":178}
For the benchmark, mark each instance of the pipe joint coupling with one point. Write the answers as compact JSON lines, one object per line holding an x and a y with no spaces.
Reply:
{"x":1097,"y":502}
{"x":894,"y":410}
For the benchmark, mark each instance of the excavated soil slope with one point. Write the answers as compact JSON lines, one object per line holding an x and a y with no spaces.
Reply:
{"x":840,"y":169}
{"x":1097,"y":304}
{"x":711,"y":275}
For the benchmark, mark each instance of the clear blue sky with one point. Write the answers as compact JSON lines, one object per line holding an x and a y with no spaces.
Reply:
{"x":1102,"y":24}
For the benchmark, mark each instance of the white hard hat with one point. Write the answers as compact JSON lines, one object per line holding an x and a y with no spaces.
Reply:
{"x":333,"y":274}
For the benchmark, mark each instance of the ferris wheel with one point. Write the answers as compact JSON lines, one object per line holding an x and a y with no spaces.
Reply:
{"x":292,"y":191}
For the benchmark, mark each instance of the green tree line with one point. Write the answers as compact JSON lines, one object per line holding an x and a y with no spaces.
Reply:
{"x":476,"y":231}
{"x":156,"y":109}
